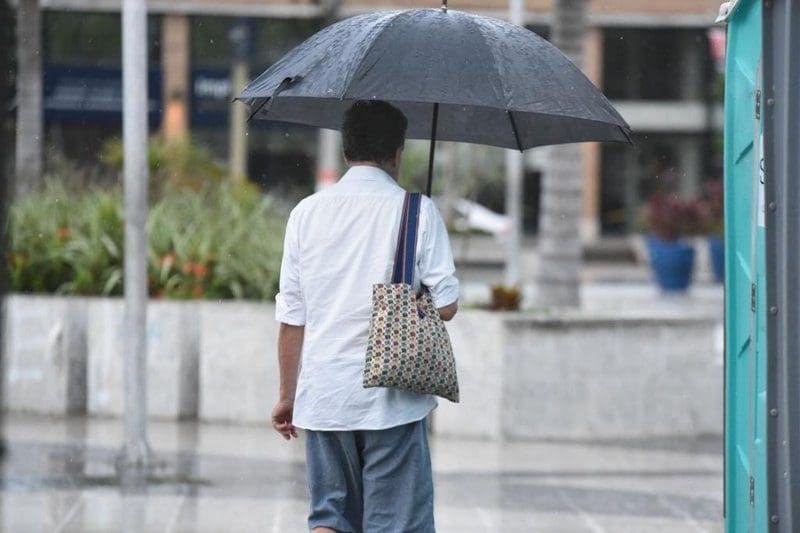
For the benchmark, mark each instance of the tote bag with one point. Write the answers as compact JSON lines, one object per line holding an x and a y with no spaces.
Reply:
{"x":408,"y":346}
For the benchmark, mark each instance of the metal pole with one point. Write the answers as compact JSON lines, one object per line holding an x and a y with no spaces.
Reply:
{"x":515,"y":169}
{"x":30,"y":120}
{"x":780,"y":42}
{"x":135,"y":452}
{"x":241,"y":39}
{"x":238,"y":125}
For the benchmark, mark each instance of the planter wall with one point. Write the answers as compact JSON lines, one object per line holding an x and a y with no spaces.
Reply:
{"x":522,"y":376}
{"x":172,"y":358}
{"x":44,"y":354}
{"x":608,"y":377}
{"x":239,"y":361}
{"x":477,"y":339}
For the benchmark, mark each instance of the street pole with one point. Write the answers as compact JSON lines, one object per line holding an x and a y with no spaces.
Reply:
{"x":136,"y":451}
{"x":515,"y":170}
{"x":30,"y":120}
{"x":241,"y":38}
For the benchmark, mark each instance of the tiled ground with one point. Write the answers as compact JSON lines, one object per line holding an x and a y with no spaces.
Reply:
{"x":58,"y":475}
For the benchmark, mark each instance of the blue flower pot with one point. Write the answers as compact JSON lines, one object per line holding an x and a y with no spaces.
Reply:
{"x":672,"y":263}
{"x":716,"y":248}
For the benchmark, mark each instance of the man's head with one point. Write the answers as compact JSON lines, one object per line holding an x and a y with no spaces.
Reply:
{"x":374,"y":131}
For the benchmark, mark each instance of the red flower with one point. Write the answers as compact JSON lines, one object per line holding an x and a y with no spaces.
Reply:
{"x":199,"y":270}
{"x":63,"y":233}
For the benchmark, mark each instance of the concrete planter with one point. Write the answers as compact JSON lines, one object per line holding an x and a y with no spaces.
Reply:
{"x":172,"y":357}
{"x":477,"y":339}
{"x":239,"y":362}
{"x":522,"y":376}
{"x":44,"y":354}
{"x":527,"y":376}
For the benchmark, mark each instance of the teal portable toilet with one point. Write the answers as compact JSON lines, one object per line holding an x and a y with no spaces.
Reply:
{"x":745,"y":334}
{"x":762,"y":266}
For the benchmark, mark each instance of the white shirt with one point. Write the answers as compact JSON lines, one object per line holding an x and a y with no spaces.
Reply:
{"x":339,"y":243}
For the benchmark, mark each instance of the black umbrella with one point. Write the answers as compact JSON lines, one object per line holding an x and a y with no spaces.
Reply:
{"x":456,"y":76}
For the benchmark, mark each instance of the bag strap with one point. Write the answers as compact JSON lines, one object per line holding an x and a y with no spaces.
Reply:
{"x":401,"y":234}
{"x":405,"y":255}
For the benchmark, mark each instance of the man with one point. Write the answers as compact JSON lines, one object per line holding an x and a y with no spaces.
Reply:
{"x":368,"y":462}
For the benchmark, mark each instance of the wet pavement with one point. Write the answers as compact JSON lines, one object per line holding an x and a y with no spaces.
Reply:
{"x":59,"y":475}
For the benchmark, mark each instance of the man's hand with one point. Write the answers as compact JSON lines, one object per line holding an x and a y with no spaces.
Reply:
{"x":448,"y":312}
{"x":290,"y":344}
{"x":282,"y":419}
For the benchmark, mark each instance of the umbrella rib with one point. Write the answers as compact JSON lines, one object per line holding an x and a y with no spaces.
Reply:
{"x":514,"y":128}
{"x":283,"y":85}
{"x":260,"y":106}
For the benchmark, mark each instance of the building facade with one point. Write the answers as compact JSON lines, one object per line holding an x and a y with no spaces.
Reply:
{"x":655,"y":61}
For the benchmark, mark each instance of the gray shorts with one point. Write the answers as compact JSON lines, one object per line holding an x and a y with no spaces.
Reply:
{"x":371,"y":481}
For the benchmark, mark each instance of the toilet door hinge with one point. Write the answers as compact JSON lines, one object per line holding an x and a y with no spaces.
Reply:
{"x":758,"y":104}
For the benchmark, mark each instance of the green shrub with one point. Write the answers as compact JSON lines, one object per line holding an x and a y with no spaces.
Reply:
{"x":174,"y":164}
{"x":220,"y":241}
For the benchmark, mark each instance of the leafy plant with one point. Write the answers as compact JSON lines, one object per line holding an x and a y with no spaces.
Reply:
{"x":670,"y":217}
{"x":715,"y":208}
{"x":221,"y":241}
{"x":173,"y":164}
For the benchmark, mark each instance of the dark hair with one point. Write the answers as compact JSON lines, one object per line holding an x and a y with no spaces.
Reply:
{"x":373,"y":130}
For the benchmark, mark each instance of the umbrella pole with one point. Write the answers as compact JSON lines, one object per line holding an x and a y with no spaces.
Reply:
{"x":433,"y":148}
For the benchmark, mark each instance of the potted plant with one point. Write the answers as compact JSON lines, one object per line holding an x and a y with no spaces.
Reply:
{"x":669,"y":220}
{"x":714,"y":225}
{"x":505,"y":298}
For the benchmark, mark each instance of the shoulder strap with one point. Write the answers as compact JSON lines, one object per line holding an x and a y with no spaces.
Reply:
{"x":405,"y":255}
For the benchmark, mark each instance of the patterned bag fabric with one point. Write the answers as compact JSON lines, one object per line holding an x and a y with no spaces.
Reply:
{"x":408,"y":345}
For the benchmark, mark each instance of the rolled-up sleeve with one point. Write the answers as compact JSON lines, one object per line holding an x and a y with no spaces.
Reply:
{"x":289,"y":304}
{"x":436,"y":266}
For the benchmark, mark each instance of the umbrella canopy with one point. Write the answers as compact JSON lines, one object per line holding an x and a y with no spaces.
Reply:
{"x":456,"y":76}
{"x":490,"y":78}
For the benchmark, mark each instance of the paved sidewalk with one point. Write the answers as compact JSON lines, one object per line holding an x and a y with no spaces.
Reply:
{"x":58,"y":475}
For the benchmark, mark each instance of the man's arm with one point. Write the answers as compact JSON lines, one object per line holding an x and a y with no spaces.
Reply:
{"x":437,"y":269}
{"x":290,"y":345}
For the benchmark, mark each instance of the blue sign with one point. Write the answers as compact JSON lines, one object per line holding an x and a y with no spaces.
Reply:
{"x":92,"y":94}
{"x":211,"y":96}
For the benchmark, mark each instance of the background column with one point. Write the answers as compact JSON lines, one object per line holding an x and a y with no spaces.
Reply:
{"x":175,"y":58}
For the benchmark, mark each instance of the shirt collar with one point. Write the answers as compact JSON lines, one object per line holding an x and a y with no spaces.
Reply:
{"x":366,"y":173}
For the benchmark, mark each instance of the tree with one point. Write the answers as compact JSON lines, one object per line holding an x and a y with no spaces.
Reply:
{"x":30,"y":122}
{"x":560,"y":248}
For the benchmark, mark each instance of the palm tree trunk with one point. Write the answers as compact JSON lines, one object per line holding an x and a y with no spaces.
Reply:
{"x":560,"y":249}
{"x":30,"y":122}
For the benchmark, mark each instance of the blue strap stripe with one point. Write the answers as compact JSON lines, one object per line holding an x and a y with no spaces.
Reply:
{"x":405,"y":255}
{"x":412,"y":224}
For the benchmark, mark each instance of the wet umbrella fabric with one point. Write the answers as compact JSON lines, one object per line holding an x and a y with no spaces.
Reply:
{"x":456,"y":76}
